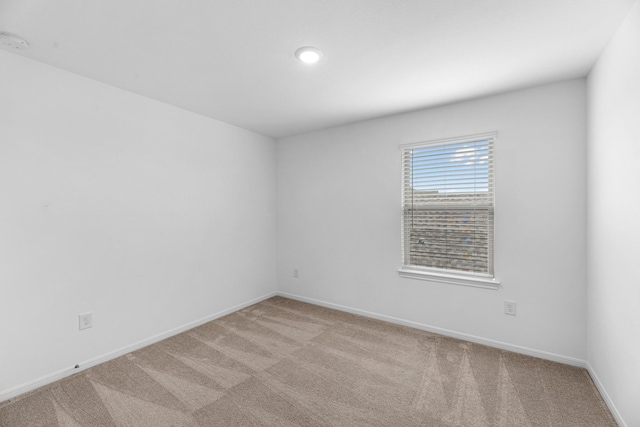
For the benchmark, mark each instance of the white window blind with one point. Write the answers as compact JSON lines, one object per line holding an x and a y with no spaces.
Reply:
{"x":447,"y":203}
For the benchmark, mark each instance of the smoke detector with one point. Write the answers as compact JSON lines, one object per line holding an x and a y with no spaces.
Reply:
{"x":12,"y":41}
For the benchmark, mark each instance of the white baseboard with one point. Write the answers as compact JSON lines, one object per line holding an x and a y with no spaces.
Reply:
{"x":449,"y":333}
{"x":55,"y":376}
{"x":605,"y":396}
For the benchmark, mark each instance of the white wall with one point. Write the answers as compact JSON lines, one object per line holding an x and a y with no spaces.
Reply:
{"x":148,"y":216}
{"x":339,"y":218}
{"x":614,"y":219}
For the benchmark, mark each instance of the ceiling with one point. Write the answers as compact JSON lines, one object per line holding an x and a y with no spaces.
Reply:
{"x":233,"y":60}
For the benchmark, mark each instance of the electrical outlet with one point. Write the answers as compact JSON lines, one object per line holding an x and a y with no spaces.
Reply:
{"x":295,"y":273}
{"x":510,"y":308}
{"x":85,"y":320}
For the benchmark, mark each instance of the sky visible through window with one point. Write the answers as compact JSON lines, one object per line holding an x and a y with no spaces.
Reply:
{"x":452,"y":168}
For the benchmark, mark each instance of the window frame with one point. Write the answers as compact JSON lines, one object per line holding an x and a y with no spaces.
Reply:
{"x":409,"y":271}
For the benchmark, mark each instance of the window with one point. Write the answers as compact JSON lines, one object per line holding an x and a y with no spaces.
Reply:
{"x":447,"y":201}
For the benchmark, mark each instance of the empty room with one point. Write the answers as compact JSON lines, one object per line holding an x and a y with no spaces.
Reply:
{"x":320,"y":213}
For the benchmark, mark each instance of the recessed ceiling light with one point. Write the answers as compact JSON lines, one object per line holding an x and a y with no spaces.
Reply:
{"x":12,"y":41}
{"x":309,"y":55}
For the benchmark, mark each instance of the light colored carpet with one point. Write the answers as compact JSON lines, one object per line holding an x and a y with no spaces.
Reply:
{"x":286,"y":363}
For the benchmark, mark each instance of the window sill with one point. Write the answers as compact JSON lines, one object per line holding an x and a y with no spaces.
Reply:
{"x":453,"y":279}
